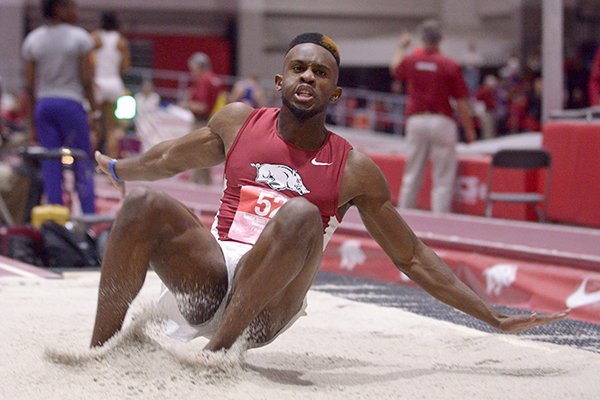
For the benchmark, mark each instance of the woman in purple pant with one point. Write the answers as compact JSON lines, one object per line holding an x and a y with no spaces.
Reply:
{"x":59,"y":78}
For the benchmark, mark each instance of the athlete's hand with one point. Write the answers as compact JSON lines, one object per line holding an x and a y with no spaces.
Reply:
{"x":517,"y":323}
{"x":104,"y":168}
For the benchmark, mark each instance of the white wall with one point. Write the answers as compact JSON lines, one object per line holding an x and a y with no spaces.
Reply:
{"x":11,"y":26}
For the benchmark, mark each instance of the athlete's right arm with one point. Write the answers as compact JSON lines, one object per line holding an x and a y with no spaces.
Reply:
{"x":201,"y":148}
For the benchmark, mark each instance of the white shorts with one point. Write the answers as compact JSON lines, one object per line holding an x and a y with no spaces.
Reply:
{"x":108,"y":89}
{"x":176,"y":326}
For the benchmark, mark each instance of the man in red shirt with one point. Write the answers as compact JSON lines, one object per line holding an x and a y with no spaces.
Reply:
{"x":431,"y":132}
{"x":289,"y":182}
{"x":205,"y":88}
{"x":486,"y":94}
{"x":201,"y":99}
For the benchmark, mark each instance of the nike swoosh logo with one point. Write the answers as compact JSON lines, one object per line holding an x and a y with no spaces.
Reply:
{"x":580,"y":298}
{"x":317,"y":163}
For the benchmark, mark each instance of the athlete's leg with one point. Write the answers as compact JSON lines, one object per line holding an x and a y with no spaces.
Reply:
{"x":417,"y":142}
{"x":445,"y":162}
{"x":154,"y":229}
{"x":272,"y":279}
{"x":112,"y":132}
{"x":74,"y":122}
{"x":49,"y":136}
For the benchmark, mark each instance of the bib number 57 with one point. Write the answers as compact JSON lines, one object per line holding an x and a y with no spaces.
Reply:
{"x":268,"y":204}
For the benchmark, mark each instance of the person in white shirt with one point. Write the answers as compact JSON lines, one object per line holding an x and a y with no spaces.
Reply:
{"x":112,"y":59}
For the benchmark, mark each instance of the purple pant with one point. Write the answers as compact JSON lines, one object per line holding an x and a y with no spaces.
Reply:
{"x":63,"y":123}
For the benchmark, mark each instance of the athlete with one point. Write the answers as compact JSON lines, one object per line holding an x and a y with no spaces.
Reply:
{"x":288,"y":183}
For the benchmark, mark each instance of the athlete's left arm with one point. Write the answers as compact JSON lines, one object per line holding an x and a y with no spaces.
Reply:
{"x":366,"y":188}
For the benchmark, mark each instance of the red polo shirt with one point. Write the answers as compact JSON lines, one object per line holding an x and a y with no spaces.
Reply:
{"x":488,"y":96}
{"x":206,"y":90}
{"x":432,"y":79}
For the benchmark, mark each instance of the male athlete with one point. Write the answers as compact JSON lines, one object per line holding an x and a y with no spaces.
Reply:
{"x":288,"y":183}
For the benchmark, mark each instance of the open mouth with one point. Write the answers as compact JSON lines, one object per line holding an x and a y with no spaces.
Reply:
{"x":304,"y":93}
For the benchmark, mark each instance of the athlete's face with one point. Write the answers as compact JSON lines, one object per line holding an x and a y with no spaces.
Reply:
{"x":309,"y":80}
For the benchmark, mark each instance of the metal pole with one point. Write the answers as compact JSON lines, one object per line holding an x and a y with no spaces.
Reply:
{"x":552,"y":57}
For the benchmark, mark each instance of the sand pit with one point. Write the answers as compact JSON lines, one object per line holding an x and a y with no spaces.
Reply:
{"x":341,"y":350}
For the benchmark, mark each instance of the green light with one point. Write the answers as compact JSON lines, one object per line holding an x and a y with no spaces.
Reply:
{"x":125,"y":107}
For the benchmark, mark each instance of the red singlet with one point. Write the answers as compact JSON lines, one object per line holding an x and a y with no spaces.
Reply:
{"x":262,"y":171}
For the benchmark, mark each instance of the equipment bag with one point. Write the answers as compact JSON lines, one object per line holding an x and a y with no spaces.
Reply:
{"x":23,"y":243}
{"x":64,"y":248}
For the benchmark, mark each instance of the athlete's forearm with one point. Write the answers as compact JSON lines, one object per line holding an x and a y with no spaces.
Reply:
{"x":199,"y":149}
{"x":433,"y":275}
{"x":149,"y":166}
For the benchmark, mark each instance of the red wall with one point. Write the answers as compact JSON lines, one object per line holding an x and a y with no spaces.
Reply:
{"x":575,"y":189}
{"x":171,"y":52}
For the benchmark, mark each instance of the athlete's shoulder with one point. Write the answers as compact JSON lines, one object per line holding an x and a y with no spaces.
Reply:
{"x":362,"y":177}
{"x":228,"y":121}
{"x":359,"y":161}
{"x":339,"y":140}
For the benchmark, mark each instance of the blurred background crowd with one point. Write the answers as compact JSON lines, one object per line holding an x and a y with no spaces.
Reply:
{"x":161,"y":69}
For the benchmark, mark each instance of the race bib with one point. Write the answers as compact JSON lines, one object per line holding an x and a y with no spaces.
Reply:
{"x":257,"y":206}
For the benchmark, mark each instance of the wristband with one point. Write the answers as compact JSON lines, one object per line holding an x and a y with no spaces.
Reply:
{"x":112,"y":171}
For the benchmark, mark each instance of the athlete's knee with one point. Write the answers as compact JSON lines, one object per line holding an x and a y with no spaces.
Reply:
{"x":140,"y":204}
{"x":299,"y":216}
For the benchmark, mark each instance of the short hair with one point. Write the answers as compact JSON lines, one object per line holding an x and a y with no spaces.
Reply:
{"x":49,"y":7}
{"x":109,"y":21}
{"x":431,"y":31}
{"x":319,"y":39}
{"x":199,"y":60}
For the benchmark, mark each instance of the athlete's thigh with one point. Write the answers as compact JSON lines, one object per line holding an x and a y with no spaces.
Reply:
{"x":186,"y":256}
{"x":291,"y":247}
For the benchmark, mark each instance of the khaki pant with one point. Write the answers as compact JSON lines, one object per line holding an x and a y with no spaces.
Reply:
{"x":430,"y":136}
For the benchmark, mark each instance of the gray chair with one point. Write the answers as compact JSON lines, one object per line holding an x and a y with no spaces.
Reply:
{"x":519,"y":159}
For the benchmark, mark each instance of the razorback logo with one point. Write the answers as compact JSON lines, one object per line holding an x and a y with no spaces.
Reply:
{"x":351,"y":254}
{"x":500,"y":276}
{"x":280,"y":177}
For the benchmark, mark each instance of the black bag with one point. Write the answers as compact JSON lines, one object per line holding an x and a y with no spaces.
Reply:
{"x":99,"y":234}
{"x":22,"y":243}
{"x":64,"y":248}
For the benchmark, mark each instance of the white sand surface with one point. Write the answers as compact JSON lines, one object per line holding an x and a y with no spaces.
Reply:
{"x":341,"y":350}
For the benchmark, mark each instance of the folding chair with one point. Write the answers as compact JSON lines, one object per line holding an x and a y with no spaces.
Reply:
{"x":519,"y":159}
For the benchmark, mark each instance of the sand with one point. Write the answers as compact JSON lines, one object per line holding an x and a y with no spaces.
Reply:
{"x":341,"y":350}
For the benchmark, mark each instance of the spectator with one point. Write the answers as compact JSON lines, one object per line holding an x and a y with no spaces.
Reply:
{"x":533,"y":117}
{"x":432,"y":80}
{"x":59,"y":77}
{"x":201,"y":100}
{"x":577,"y":79}
{"x":248,"y":91}
{"x":486,"y":94}
{"x":472,"y":68}
{"x":112,"y":60}
{"x":511,"y":71}
{"x":147,"y":100}
{"x":594,"y":84}
{"x":517,"y":110}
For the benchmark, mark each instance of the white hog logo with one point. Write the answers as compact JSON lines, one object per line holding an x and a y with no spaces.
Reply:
{"x":280,"y":177}
{"x":500,"y":276}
